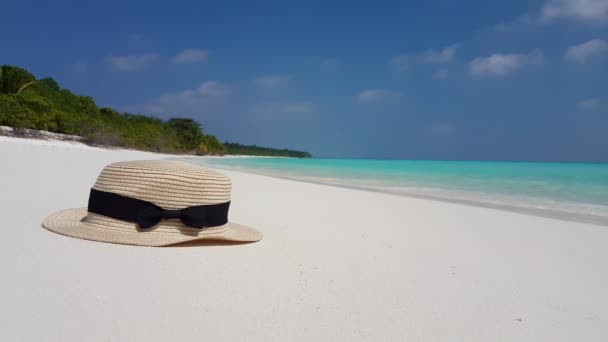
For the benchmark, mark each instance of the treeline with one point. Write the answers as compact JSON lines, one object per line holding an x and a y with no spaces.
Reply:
{"x":234,"y":148}
{"x":26,"y":102}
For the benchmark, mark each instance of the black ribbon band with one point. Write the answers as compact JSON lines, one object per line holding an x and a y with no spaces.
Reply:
{"x":147,"y":214}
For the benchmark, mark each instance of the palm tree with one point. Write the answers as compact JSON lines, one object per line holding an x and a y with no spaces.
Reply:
{"x":22,"y":88}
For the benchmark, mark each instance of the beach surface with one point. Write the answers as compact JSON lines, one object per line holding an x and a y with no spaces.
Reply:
{"x":335,"y":264}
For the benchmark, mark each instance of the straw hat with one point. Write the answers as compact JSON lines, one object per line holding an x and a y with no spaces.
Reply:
{"x":163,"y":190}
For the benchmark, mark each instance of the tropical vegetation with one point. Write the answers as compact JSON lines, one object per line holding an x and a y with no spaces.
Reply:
{"x":42,"y":104}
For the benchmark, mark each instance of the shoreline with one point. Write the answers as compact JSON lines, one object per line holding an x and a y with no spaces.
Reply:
{"x":545,"y":213}
{"x":79,"y":144}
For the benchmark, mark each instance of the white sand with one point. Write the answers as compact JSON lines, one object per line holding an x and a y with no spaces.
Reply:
{"x":335,"y":264}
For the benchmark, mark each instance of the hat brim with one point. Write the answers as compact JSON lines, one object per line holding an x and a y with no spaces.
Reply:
{"x":70,"y":222}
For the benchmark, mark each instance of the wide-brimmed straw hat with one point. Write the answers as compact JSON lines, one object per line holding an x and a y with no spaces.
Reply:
{"x":154,"y":203}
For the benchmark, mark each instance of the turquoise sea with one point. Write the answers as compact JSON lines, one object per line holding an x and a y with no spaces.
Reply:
{"x":571,"y":191}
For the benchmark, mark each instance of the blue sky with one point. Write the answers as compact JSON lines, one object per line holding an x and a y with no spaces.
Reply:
{"x":508,"y":80}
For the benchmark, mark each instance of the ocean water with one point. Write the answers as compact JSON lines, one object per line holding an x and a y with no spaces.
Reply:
{"x":570,"y":191}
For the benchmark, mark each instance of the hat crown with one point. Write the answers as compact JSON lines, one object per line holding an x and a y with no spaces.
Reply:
{"x":168,"y":184}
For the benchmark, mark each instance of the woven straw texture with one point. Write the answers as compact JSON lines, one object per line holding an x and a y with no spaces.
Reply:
{"x":168,"y":184}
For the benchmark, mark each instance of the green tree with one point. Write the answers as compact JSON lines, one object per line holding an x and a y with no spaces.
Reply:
{"x":27,"y":110}
{"x":51,"y":83}
{"x":14,"y":79}
{"x":188,"y":131}
{"x":210,"y":145}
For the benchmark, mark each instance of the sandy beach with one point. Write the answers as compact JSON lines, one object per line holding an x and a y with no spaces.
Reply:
{"x":335,"y":264}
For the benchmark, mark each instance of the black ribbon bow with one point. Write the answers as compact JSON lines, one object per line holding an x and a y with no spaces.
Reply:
{"x":147,"y":214}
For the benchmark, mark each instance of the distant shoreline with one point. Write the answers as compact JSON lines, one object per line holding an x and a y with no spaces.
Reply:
{"x":33,"y":134}
{"x":53,"y":139}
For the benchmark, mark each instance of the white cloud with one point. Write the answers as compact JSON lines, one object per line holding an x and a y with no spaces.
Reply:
{"x":132,"y":63}
{"x":589,"y":104}
{"x":189,"y":56}
{"x":582,"y":53}
{"x":399,"y":63}
{"x":213,"y":89}
{"x":374,"y":95}
{"x":273,"y":110}
{"x":584,"y":10}
{"x":498,"y":65}
{"x":442,"y":56}
{"x":441,"y":74}
{"x":330,"y":65}
{"x":272,"y":81}
{"x":189,"y":101}
{"x":440,"y":129}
